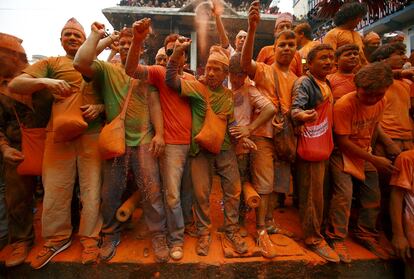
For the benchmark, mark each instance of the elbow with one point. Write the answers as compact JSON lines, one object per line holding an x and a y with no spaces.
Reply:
{"x":129,"y":71}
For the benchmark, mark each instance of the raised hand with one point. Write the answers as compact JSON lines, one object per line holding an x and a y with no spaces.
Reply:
{"x":254,"y":14}
{"x":141,"y":29}
{"x":181,"y":45}
{"x":98,"y":28}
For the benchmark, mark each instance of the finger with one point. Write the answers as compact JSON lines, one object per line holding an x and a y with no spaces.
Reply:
{"x":151,"y":147}
{"x":408,"y":252}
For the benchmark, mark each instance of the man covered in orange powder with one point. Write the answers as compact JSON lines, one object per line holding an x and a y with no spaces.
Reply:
{"x":310,"y":92}
{"x":356,"y":120}
{"x":342,"y":81}
{"x":32,"y":112}
{"x":211,"y":95}
{"x":402,"y":210}
{"x":267,"y":54}
{"x":304,"y":41}
{"x":62,"y":160}
{"x":371,"y":41}
{"x":144,"y":142}
{"x":174,"y":162}
{"x":270,"y":174}
{"x":346,"y":20}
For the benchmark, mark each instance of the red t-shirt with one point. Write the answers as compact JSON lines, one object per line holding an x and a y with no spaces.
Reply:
{"x":176,"y":110}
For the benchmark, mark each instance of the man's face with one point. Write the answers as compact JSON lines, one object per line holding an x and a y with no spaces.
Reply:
{"x":299,"y":37}
{"x":321,"y":65}
{"x":371,"y":97}
{"x":237,"y":80}
{"x":124,"y":45}
{"x":348,"y":60}
{"x":71,"y":40}
{"x":285,"y":50}
{"x":282,"y":26}
{"x":396,"y":60}
{"x":215,"y":74}
{"x":240,"y":42}
{"x":161,"y":60}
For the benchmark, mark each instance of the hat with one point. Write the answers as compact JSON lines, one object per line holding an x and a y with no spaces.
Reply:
{"x":370,"y":37}
{"x":219,"y":54}
{"x":72,"y":23}
{"x":161,"y":51}
{"x":11,"y":42}
{"x":283,"y":17}
{"x":241,"y":33}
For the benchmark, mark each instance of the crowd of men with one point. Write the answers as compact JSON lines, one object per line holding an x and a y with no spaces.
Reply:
{"x":324,"y":117}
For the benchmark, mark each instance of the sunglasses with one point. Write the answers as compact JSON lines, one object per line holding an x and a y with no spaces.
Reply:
{"x":169,"y":52}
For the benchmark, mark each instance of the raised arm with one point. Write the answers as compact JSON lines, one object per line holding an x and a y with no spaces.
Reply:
{"x":141,"y":29}
{"x":247,"y":63}
{"x":86,"y":54}
{"x":217,"y":12}
{"x":172,"y":79}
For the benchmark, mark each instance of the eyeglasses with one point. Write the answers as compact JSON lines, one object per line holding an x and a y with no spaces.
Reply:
{"x":169,"y":52}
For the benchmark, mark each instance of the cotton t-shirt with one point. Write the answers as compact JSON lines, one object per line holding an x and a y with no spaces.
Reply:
{"x":341,"y":84}
{"x":221,"y":103}
{"x":113,"y":84}
{"x":338,"y":37}
{"x":61,"y":68}
{"x":405,"y":180}
{"x":267,"y":56}
{"x":396,"y":121}
{"x":265,"y":83}
{"x":358,"y":121}
{"x":176,"y":110}
{"x":248,"y":104}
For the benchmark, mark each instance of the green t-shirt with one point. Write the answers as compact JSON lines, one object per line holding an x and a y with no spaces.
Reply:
{"x":221,"y":102}
{"x":113,"y":84}
{"x":61,"y":67}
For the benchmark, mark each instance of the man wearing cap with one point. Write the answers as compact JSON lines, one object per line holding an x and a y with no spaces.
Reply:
{"x":270,"y":174}
{"x":161,"y":58}
{"x":32,"y":112}
{"x":371,"y":41}
{"x":63,"y":160}
{"x":283,"y":22}
{"x":204,"y":163}
{"x":176,"y":114}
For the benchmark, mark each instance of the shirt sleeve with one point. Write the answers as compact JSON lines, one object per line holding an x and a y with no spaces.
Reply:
{"x":38,"y":70}
{"x":257,"y":100}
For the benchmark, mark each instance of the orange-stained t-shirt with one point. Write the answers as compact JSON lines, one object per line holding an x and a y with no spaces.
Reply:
{"x":265,"y":83}
{"x":396,"y":121}
{"x":405,"y":179}
{"x":358,"y":121}
{"x":325,"y":89}
{"x":176,"y":110}
{"x":341,"y":84}
{"x":267,"y":56}
{"x":306,"y":48}
{"x":338,"y":37}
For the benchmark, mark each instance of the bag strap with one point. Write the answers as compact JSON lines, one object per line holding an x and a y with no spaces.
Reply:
{"x":128,"y":97}
{"x":277,"y":89}
{"x":17,"y":117}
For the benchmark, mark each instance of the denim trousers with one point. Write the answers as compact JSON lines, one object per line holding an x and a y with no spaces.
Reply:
{"x":146,"y":173}
{"x":203,"y":167}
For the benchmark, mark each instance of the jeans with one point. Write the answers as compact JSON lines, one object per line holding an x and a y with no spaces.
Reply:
{"x":339,"y":211}
{"x":203,"y":166}
{"x":146,"y":173}
{"x":173,"y":164}
{"x":310,"y":179}
{"x":61,"y":162}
